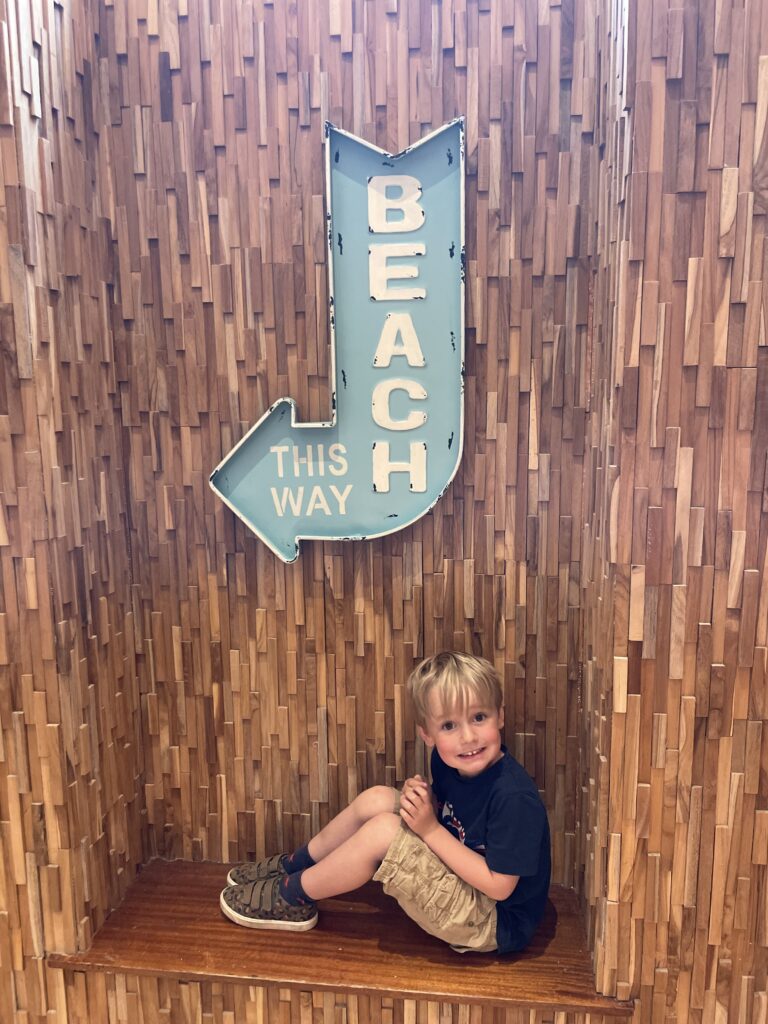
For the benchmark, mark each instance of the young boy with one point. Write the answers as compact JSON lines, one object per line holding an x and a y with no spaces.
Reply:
{"x":468,"y":861}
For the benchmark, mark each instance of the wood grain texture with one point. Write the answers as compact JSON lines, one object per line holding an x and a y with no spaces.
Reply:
{"x":363,"y":944}
{"x":674,"y":606}
{"x":120,"y":998}
{"x":166,"y":687}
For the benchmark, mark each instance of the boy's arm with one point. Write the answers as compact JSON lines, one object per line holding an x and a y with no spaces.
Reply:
{"x":417,"y":812}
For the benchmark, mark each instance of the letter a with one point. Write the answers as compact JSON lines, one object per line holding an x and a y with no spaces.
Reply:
{"x":398,"y":325}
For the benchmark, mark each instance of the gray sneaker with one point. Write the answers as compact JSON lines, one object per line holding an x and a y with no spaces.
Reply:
{"x":254,"y":871}
{"x":260,"y":905}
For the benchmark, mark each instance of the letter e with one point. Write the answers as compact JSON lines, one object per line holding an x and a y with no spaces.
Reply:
{"x":380,"y":274}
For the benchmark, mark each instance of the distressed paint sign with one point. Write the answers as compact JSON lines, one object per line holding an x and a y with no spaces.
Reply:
{"x":396,"y":308}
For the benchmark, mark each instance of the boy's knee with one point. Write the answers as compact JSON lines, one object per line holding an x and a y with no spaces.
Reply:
{"x":382,"y":829}
{"x":376,"y":800}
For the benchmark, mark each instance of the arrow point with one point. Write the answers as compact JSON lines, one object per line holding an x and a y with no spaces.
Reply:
{"x":238,"y":481}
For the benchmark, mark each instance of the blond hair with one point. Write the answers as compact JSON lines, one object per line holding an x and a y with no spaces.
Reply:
{"x":455,"y":678}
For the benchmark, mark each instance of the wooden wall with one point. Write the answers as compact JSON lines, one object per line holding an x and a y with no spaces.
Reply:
{"x":123,"y":998}
{"x":71,"y":763}
{"x":272,"y":694}
{"x":675,"y":554}
{"x":168,"y":687}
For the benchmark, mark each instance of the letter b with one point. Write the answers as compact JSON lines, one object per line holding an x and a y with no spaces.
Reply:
{"x":407,"y":203}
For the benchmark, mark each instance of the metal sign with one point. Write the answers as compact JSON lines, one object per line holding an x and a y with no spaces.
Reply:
{"x":394,"y":440}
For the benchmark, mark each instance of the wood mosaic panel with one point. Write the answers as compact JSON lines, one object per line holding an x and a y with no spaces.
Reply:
{"x":165,"y":685}
{"x":675,"y":556}
{"x":123,"y":999}
{"x":71,"y":802}
{"x":272,"y":694}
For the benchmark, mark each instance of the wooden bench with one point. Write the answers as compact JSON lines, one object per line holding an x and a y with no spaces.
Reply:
{"x":169,"y":925}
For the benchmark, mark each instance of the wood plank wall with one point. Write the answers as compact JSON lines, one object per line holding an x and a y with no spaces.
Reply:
{"x":273,"y":694}
{"x":71,"y":801}
{"x":120,"y":998}
{"x":166,"y":686}
{"x":675,"y":553}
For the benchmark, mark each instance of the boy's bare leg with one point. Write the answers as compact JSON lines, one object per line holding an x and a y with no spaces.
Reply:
{"x":355,"y":861}
{"x":369,"y":803}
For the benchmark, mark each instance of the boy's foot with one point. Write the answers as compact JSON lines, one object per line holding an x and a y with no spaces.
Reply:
{"x":254,"y":871}
{"x":259,"y":905}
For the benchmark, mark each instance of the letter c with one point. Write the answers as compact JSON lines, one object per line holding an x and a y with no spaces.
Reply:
{"x":380,"y":404}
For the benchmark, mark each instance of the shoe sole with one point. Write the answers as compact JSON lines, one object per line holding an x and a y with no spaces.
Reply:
{"x":271,"y":923}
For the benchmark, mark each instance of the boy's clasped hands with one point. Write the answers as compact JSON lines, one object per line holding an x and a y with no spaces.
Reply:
{"x":418,"y":807}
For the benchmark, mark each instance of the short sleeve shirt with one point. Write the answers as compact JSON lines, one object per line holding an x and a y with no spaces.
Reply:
{"x":499,"y":814}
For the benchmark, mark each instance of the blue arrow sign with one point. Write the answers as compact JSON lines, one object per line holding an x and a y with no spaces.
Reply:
{"x":394,"y":440}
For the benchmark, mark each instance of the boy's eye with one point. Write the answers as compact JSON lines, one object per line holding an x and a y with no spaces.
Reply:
{"x":480,"y":716}
{"x":447,"y":726}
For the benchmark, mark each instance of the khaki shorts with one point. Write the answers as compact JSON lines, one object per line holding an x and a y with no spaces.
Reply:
{"x":434,"y":897}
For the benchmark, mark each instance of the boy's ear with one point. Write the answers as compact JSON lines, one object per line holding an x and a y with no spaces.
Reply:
{"x":501,"y":717}
{"x":425,"y":736}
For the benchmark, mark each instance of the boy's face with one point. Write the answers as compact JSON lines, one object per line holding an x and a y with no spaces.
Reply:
{"x":468,"y":739}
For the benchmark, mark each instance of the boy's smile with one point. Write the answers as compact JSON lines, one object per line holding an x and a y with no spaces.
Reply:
{"x":468,"y":739}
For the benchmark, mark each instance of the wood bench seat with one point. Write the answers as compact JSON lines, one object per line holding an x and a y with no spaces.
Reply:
{"x":170,"y":925}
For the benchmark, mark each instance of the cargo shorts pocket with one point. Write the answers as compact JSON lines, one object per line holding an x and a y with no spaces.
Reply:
{"x":434,"y":897}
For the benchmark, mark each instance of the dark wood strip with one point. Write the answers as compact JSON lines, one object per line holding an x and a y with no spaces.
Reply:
{"x":169,"y":924}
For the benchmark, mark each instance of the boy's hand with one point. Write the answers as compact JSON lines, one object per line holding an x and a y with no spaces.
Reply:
{"x":415,"y":781}
{"x":419,"y":782}
{"x":417,"y":808}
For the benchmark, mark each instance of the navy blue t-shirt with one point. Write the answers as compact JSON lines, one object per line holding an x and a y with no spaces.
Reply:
{"x":499,"y":814}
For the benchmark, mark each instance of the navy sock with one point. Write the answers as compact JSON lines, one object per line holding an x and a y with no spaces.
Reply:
{"x":298,"y":860}
{"x":292,"y":890}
